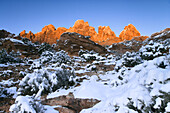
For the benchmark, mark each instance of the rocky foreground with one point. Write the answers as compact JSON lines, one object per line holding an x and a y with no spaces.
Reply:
{"x":76,"y":74}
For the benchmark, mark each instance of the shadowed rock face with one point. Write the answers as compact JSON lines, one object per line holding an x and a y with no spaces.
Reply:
{"x":69,"y":104}
{"x":137,"y":42}
{"x":104,"y":36}
{"x":4,"y":34}
{"x":73,"y":42}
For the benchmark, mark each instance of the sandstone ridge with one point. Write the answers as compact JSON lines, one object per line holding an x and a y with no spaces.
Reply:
{"x":104,"y":36}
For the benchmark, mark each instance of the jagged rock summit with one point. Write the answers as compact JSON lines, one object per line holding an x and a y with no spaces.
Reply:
{"x":129,"y":32}
{"x":50,"y":34}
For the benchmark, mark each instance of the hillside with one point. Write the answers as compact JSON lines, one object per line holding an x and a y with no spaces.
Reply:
{"x":76,"y":74}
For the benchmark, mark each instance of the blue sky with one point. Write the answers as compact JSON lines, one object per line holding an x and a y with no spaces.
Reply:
{"x":148,"y":16}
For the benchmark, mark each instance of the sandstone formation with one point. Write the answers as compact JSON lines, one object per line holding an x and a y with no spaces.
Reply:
{"x":29,"y":35}
{"x":73,"y":42}
{"x":48,"y":34}
{"x":137,"y":42}
{"x":140,"y":38}
{"x":129,"y":32}
{"x":165,"y":31}
{"x":105,"y":35}
{"x":69,"y":104}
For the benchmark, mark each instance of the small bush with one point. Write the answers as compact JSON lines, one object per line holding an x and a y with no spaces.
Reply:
{"x":153,"y":107}
{"x":9,"y":58}
{"x":27,"y":104}
{"x":131,"y":59}
{"x":153,"y":50}
{"x":55,"y":57}
{"x":44,"y":47}
{"x":87,"y":55}
{"x":43,"y":81}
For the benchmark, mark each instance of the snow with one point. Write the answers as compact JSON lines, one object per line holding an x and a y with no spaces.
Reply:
{"x":8,"y":82}
{"x":23,"y":101}
{"x":134,"y":85}
{"x":50,"y":109}
{"x":15,"y":40}
{"x":115,"y":88}
{"x":158,"y":103}
{"x":168,"y":107}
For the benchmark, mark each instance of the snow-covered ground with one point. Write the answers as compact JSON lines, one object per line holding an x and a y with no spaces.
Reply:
{"x":139,"y":82}
{"x":142,"y":82}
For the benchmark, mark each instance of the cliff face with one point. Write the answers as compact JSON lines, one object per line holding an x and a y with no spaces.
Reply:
{"x":105,"y":35}
{"x":129,"y":32}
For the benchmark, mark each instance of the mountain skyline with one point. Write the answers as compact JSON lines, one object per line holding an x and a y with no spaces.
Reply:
{"x":147,"y":16}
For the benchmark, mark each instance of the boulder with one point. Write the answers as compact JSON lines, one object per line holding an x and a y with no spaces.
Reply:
{"x":70,"y":104}
{"x":74,"y":42}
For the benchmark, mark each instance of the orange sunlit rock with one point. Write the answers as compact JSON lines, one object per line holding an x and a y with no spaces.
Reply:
{"x":83,"y":28}
{"x":105,"y":35}
{"x":129,"y":32}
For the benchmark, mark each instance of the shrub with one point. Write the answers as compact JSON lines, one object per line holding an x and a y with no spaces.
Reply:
{"x":44,"y":47}
{"x":27,"y":104}
{"x":9,"y":58}
{"x":43,"y":81}
{"x":153,"y":50}
{"x":88,"y":55}
{"x":157,"y":104}
{"x":131,"y":59}
{"x":55,"y":57}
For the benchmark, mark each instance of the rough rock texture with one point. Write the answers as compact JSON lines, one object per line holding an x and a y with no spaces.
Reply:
{"x":48,"y":34}
{"x":73,"y":42}
{"x":105,"y":35}
{"x":4,"y":34}
{"x":129,"y":32}
{"x":9,"y":45}
{"x":70,"y":104}
{"x":140,"y":38}
{"x":122,"y":47}
{"x":83,"y":28}
{"x":135,"y":44}
{"x":167,"y":30}
{"x":29,"y":35}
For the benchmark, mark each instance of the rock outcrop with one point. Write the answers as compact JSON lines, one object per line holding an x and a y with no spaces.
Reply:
{"x":69,"y":104}
{"x":166,"y":32}
{"x":48,"y":34}
{"x":105,"y":35}
{"x":140,"y":38}
{"x":4,"y":34}
{"x":28,"y":35}
{"x":137,"y":42}
{"x":129,"y":32}
{"x":73,"y":42}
